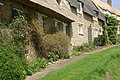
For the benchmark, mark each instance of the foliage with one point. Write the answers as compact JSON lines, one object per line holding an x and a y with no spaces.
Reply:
{"x":112,"y":29}
{"x":52,"y":57}
{"x":11,"y":65}
{"x":20,"y":29}
{"x":12,"y":61}
{"x":112,"y":34}
{"x":103,"y":65}
{"x":85,"y":47}
{"x":57,"y":43}
{"x":112,"y":21}
{"x":101,"y":40}
{"x":36,"y":65}
{"x":77,"y":48}
{"x":2,"y":25}
{"x":66,"y":56}
{"x":76,"y":54}
{"x":118,"y":38}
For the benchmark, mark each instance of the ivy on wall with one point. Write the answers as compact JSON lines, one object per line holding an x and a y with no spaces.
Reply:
{"x":112,"y":27}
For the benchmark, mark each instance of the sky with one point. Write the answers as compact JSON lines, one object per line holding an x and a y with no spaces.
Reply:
{"x":115,"y":3}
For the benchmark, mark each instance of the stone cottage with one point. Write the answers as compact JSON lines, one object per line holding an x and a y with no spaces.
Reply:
{"x":88,"y":23}
{"x":107,"y":8}
{"x":43,"y":15}
{"x":81,"y":20}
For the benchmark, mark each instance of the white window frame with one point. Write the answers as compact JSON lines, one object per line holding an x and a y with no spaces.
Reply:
{"x":95,"y":16}
{"x":80,"y":28}
{"x":95,"y":32}
{"x":79,"y":10}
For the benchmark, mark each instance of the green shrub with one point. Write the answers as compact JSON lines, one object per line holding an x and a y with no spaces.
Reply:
{"x":85,"y":47}
{"x":36,"y":65}
{"x":76,"y":54}
{"x":52,"y":57}
{"x":118,"y":38}
{"x":112,"y":32}
{"x":101,"y":40}
{"x":12,"y":66}
{"x":66,"y":56}
{"x":77,"y":48}
{"x":12,"y":63}
{"x":57,"y":43}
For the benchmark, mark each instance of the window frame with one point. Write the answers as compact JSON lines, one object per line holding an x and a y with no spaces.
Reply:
{"x":95,"y":17}
{"x":56,"y":24}
{"x":80,"y":28}
{"x":81,"y":8}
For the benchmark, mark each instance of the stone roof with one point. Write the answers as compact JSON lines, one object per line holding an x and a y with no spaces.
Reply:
{"x":53,"y":5}
{"x":89,"y":7}
{"x":106,"y":6}
{"x":73,"y":3}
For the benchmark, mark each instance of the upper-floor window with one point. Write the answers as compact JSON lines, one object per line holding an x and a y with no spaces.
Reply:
{"x":95,"y":16}
{"x":79,"y":8}
{"x":80,"y":28}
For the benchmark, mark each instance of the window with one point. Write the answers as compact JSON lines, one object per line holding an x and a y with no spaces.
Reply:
{"x":95,"y":32}
{"x":100,"y":31}
{"x":65,"y":28}
{"x":95,"y":16}
{"x":80,"y":28}
{"x":41,"y":20}
{"x":79,"y":8}
{"x":58,"y":25}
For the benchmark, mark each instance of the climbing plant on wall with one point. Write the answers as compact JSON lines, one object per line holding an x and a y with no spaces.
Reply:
{"x":12,"y":36}
{"x":112,"y":29}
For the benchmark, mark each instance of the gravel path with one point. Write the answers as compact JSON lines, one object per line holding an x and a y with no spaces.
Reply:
{"x":61,"y":63}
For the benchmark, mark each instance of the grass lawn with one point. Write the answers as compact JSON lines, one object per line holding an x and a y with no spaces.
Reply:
{"x":103,"y":65}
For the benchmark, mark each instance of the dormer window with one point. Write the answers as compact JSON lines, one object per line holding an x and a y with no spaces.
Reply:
{"x":58,"y":1}
{"x":79,"y":8}
{"x":95,"y":16}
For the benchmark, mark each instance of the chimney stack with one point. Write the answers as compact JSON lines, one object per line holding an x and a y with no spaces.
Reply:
{"x":109,"y":2}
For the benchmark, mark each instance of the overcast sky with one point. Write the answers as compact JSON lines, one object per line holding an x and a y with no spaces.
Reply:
{"x":116,"y":3}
